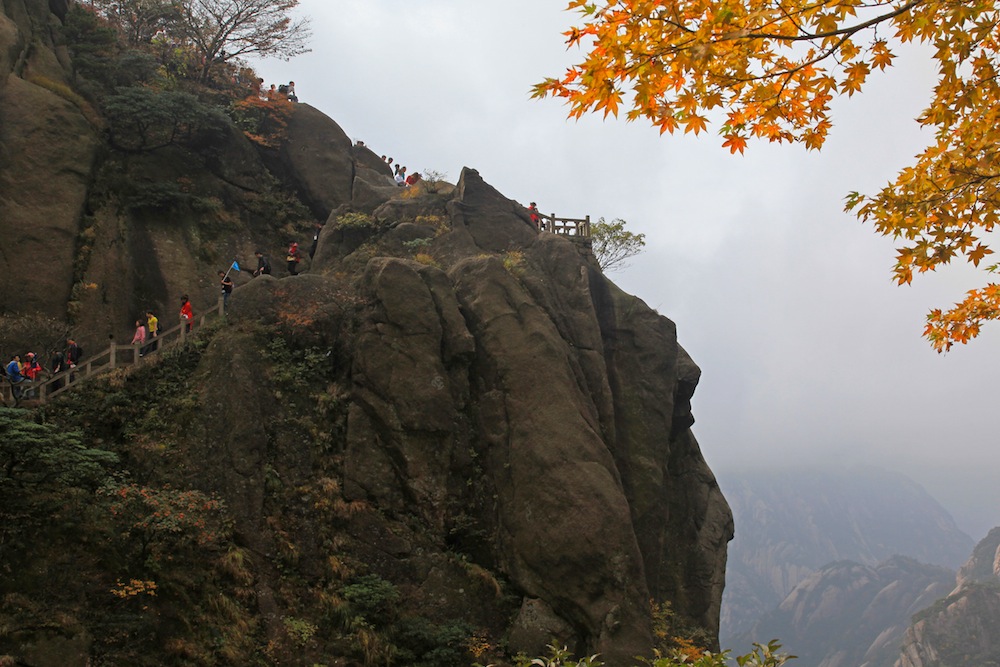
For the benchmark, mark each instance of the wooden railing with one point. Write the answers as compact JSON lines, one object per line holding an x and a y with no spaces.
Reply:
{"x":118,"y":355}
{"x":565,"y":226}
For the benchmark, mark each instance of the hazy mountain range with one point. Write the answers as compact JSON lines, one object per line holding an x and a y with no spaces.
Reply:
{"x":790,"y":524}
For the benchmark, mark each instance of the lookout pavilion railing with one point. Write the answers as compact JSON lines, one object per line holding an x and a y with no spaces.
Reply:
{"x":565,"y":226}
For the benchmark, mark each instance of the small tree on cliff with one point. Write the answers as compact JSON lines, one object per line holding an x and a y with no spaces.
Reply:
{"x":221,"y":30}
{"x":769,"y":70}
{"x":139,"y":20}
{"x":613,"y":244}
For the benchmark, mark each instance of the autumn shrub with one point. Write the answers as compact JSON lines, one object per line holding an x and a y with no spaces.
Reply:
{"x":263,"y":121}
{"x":513,"y":261}
{"x":427,"y":260}
{"x":438,"y":222}
{"x":355,"y":220}
{"x":762,"y":655}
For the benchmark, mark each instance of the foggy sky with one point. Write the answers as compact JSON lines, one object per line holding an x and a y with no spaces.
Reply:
{"x":809,"y":353}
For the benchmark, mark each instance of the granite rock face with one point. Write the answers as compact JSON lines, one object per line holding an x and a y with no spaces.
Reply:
{"x":963,"y":628}
{"x":514,"y":388}
{"x":495,"y":388}
{"x":47,"y":151}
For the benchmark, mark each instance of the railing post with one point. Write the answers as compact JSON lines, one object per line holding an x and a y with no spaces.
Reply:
{"x":113,"y":353}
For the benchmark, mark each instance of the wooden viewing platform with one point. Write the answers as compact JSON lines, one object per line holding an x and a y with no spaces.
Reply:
{"x":566,"y":226}
{"x":118,"y":355}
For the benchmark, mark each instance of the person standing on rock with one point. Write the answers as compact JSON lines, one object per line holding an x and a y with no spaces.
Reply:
{"x":187,"y":314}
{"x":293,"y":258}
{"x":533,"y":212}
{"x":227,"y":288}
{"x":263,"y":266}
{"x":315,"y":243}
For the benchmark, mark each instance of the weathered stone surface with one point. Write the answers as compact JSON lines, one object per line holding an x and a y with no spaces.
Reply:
{"x":500,"y":397}
{"x":984,"y":564}
{"x":46,"y":152}
{"x":318,"y":160}
{"x":573,"y":397}
{"x":964,"y":627}
{"x":536,"y":627}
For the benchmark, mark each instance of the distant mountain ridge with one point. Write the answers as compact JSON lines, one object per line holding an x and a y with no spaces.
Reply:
{"x":853,"y":615}
{"x":962,"y":629}
{"x":789,"y":524}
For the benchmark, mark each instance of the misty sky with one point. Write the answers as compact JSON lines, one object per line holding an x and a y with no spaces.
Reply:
{"x":809,"y":353}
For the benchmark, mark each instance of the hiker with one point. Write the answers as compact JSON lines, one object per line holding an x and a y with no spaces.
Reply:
{"x":263,"y":266}
{"x":13,"y":370}
{"x":187,"y":314}
{"x":290,"y":92}
{"x":412,"y":178}
{"x":401,"y":177}
{"x":31,"y":369}
{"x":152,"y":328}
{"x":73,"y":352}
{"x":533,"y":212}
{"x":58,"y":366}
{"x":293,"y":258}
{"x":315,"y":243}
{"x":227,"y":288}
{"x":139,"y":337}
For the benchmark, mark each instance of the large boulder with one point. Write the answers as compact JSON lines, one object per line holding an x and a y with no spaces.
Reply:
{"x":317,"y":160}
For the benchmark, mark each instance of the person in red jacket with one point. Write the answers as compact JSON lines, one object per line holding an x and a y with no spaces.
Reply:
{"x":187,"y":315}
{"x":31,"y":369}
{"x":293,"y":258}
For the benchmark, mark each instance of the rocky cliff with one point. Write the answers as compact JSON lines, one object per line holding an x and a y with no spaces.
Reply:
{"x":449,"y":414}
{"x":962,"y":628}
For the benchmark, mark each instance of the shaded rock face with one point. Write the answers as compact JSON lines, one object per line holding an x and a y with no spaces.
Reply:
{"x":531,"y":414}
{"x":963,"y":628}
{"x":852,"y":615}
{"x":47,"y":149}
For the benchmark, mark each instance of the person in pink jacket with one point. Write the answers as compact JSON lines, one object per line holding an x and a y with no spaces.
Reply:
{"x":140,"y":336}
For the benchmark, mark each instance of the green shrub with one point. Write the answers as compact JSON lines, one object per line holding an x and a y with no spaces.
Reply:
{"x":372,"y":597}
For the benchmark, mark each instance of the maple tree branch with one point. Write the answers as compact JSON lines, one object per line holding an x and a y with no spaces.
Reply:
{"x":847,"y":31}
